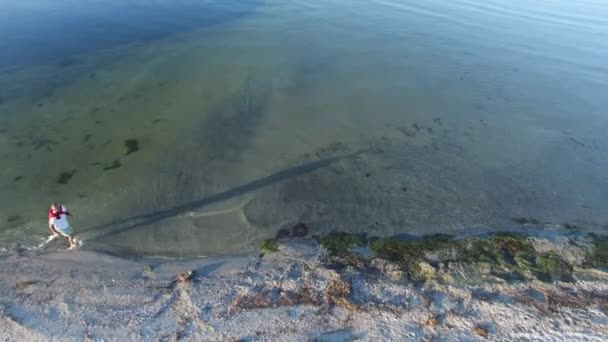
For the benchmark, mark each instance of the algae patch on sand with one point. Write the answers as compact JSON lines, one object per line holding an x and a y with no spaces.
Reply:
{"x":341,"y":242}
{"x":598,"y":255}
{"x":269,"y":246}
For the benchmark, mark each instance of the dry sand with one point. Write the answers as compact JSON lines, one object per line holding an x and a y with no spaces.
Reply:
{"x":289,"y":295}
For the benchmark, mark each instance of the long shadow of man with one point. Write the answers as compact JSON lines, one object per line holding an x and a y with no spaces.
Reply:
{"x":127,"y":224}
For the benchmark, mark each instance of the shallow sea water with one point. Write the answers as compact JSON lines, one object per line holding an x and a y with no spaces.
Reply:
{"x":197,"y":128}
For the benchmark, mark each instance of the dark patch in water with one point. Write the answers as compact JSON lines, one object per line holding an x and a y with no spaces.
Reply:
{"x":91,"y":147}
{"x":132,"y":146}
{"x":81,"y":195}
{"x":122,"y":99}
{"x":40,"y":105}
{"x":104,"y":25}
{"x":87,"y":137}
{"x":18,"y":178}
{"x":14,"y":218}
{"x":299,"y":230}
{"x":157,"y":120}
{"x":407,"y":132}
{"x":526,"y":220}
{"x":1,"y":100}
{"x":107,"y":142}
{"x":94,"y":109}
{"x":231,"y":125}
{"x":42,"y":142}
{"x":97,"y":122}
{"x":114,"y":165}
{"x":2,"y":130}
{"x":578,"y":142}
{"x":331,"y":149}
{"x":283,"y":233}
{"x":65,"y":176}
{"x":67,"y":63}
{"x":572,"y":227}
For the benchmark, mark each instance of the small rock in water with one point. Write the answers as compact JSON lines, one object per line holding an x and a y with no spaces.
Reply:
{"x":65,"y":176}
{"x":283,"y":234}
{"x":132,"y":146}
{"x":299,"y":230}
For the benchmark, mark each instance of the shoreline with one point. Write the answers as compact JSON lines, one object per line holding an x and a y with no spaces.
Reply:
{"x":337,"y":287}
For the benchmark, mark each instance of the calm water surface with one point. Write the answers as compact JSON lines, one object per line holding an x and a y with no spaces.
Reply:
{"x":201,"y":127}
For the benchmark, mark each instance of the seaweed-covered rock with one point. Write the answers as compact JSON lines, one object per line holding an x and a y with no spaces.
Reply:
{"x":269,"y":246}
{"x":550,"y":266}
{"x":337,"y":243}
{"x":598,"y":255}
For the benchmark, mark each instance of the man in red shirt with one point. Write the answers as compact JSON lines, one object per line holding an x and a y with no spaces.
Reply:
{"x":59,"y":225}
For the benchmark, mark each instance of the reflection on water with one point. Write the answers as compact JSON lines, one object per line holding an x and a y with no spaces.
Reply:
{"x":202,"y":127}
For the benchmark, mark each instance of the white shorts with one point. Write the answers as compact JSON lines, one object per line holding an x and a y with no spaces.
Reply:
{"x":62,"y":226}
{"x":65,"y":231}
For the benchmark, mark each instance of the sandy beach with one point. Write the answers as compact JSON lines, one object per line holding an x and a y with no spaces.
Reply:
{"x":298,"y":290}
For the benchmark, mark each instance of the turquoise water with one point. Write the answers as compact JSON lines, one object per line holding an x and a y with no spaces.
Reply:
{"x":202,"y":127}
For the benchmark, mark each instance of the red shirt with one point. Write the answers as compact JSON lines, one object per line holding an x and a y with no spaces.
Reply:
{"x":57,"y":213}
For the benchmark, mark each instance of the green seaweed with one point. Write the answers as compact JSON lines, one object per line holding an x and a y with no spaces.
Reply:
{"x":410,"y":253}
{"x":406,"y":250}
{"x":65,"y":176}
{"x":18,"y":178}
{"x":132,"y":146}
{"x":269,"y":246}
{"x":598,"y":255}
{"x":337,"y":243}
{"x":551,"y":267}
{"x":42,"y":142}
{"x":510,"y":255}
{"x":14,"y":218}
{"x":114,"y":165}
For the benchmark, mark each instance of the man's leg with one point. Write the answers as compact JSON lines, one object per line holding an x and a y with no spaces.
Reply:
{"x":54,"y":230}
{"x":72,"y":242}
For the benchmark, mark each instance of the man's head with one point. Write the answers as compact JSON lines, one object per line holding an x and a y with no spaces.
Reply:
{"x":55,"y":206}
